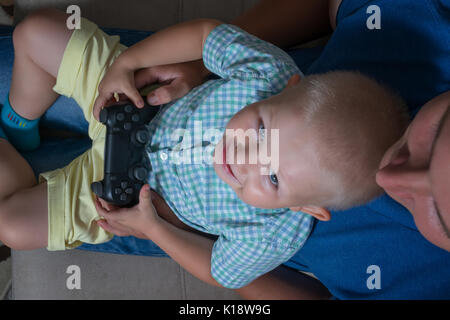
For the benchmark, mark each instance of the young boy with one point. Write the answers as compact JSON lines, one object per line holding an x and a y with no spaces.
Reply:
{"x":330,"y":132}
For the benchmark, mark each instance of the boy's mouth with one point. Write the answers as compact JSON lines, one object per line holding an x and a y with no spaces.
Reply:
{"x":226,"y":167}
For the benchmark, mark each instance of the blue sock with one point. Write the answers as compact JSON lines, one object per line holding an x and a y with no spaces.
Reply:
{"x":22,"y":133}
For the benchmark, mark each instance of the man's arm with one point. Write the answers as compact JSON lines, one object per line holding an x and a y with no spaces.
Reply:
{"x":287,"y":22}
{"x":283,"y":283}
{"x":191,"y":251}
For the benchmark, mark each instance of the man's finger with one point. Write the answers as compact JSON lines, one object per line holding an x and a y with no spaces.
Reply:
{"x":144,"y":77}
{"x":167,"y":93}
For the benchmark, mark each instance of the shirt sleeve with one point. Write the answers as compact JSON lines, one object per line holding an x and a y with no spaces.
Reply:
{"x":232,"y":53}
{"x":235,"y":263}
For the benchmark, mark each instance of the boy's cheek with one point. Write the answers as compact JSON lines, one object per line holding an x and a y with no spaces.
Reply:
{"x":256,"y":199}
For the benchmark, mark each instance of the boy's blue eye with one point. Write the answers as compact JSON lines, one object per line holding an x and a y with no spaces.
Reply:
{"x":273,"y":178}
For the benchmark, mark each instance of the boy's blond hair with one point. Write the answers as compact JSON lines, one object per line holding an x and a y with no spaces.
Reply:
{"x":355,"y":120}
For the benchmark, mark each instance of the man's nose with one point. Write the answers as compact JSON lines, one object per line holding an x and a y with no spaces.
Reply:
{"x":404,"y":178}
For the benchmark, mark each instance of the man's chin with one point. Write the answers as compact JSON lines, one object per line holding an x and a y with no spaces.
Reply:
{"x":431,"y":230}
{"x":436,"y":238}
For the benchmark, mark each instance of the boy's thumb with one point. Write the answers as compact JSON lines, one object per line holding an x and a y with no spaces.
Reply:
{"x":145,"y":192}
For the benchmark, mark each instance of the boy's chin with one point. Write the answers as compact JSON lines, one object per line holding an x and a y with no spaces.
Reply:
{"x":219,"y":172}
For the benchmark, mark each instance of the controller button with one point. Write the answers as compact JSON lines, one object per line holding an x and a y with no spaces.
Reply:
{"x":124,"y":184}
{"x":123,"y":197}
{"x":135,"y":118}
{"x":117,"y":191}
{"x":128,"y":108}
{"x":127,"y":126}
{"x":142,"y":136}
{"x":116,"y":129}
{"x":129,"y":191}
{"x":120,"y":116}
{"x":140,"y":173}
{"x":163,"y":156}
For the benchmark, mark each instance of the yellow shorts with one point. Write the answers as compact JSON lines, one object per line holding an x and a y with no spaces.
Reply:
{"x":71,"y":210}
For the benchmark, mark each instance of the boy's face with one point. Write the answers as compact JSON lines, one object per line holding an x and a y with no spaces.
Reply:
{"x":272,"y":130}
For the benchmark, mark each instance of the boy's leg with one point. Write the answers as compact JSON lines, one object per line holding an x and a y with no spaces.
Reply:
{"x":71,"y":211}
{"x":23,"y":204}
{"x":39,"y":44}
{"x":71,"y":214}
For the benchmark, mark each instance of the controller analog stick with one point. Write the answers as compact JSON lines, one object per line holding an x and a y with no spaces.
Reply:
{"x":142,"y":136}
{"x":140,"y":173}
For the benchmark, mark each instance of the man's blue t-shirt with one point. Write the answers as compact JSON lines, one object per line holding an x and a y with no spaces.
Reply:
{"x":375,"y":251}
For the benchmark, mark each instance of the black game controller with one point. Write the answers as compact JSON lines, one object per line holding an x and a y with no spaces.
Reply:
{"x":126,"y":166}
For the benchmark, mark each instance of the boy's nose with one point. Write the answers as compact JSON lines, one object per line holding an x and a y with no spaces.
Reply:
{"x":246,"y":164}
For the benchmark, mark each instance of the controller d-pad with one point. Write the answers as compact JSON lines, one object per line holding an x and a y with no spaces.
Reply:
{"x":123,"y":191}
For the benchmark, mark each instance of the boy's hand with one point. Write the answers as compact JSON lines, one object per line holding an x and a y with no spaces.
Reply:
{"x":118,"y":80}
{"x":135,"y":221}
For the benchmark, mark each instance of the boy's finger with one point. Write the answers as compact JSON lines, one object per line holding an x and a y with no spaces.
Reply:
{"x":102,"y":211}
{"x":107,"y":206}
{"x":145,"y":193}
{"x":103,"y":203}
{"x":109,"y":228}
{"x":134,"y":96}
{"x":99,"y":103}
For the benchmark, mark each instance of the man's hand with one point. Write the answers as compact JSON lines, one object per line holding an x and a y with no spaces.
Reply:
{"x":176,"y":80}
{"x":135,"y":221}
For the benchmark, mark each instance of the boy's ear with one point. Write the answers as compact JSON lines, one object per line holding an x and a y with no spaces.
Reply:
{"x":319,"y":213}
{"x":293,"y":80}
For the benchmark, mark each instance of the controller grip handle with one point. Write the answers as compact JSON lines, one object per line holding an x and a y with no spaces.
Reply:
{"x":97,"y":188}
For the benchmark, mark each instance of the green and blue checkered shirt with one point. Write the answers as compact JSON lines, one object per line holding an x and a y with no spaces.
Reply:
{"x":251,"y":241}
